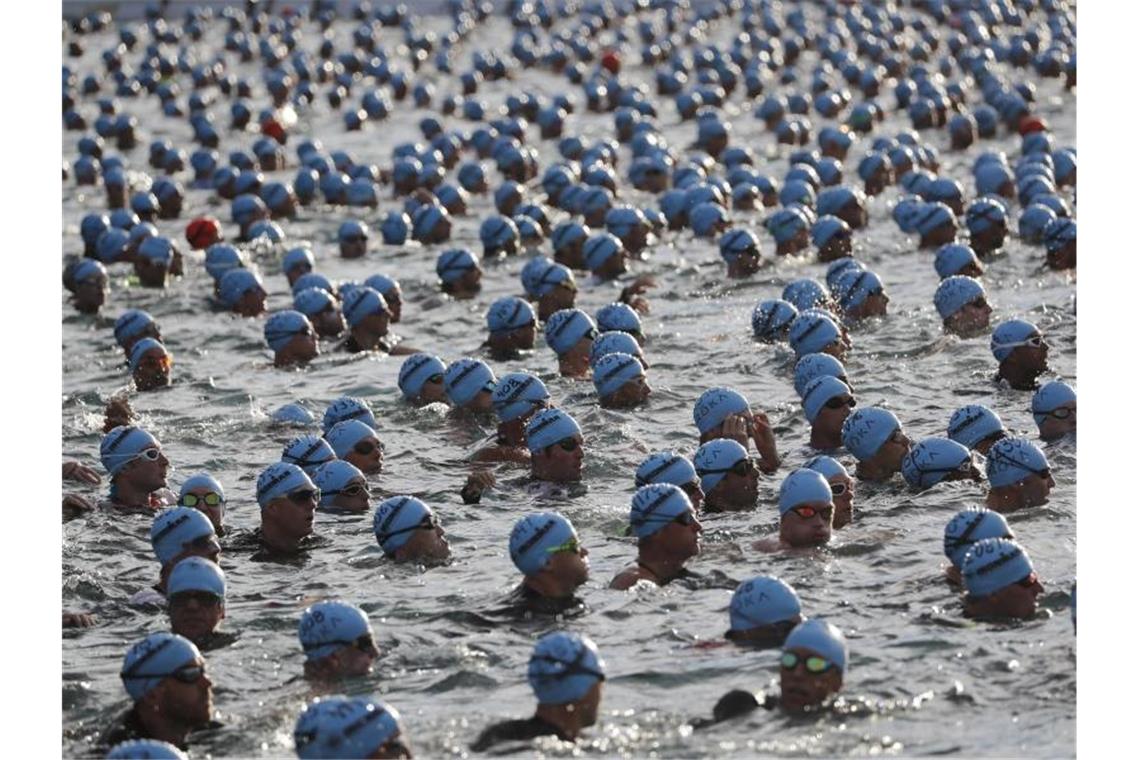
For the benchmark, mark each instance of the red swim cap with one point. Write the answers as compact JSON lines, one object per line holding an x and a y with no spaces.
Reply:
{"x":611,"y":62}
{"x":1030,"y":123}
{"x":203,"y":232}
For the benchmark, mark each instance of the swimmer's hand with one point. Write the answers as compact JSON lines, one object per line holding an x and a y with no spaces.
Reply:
{"x":118,"y":412}
{"x":78,"y":620}
{"x":736,"y":427}
{"x":765,"y":441}
{"x":477,"y":483}
{"x":80,"y":472}
{"x":74,"y":504}
{"x":631,"y":294}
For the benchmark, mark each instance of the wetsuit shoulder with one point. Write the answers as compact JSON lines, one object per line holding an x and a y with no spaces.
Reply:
{"x":515,"y":730}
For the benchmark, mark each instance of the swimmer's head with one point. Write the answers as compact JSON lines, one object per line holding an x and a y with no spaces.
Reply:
{"x":550,"y":427}
{"x":280,"y":479}
{"x":308,"y":452}
{"x":867,"y":429}
{"x":1012,"y":334}
{"x":536,"y":538}
{"x":180,"y":529}
{"x":766,"y":603}
{"x":123,"y":445}
{"x":816,"y":365}
{"x":417,"y":371}
{"x":325,"y":627}
{"x":347,"y":408}
{"x":564,"y":668}
{"x":615,"y":342}
{"x":1054,"y":408}
{"x":772,"y":318}
{"x":345,"y":435}
{"x":715,"y":405}
{"x":811,"y":333}
{"x":620,"y":316}
{"x":819,"y":393}
{"x":132,"y":324}
{"x":956,"y":292}
{"x":973,"y":424}
{"x":1011,"y":460}
{"x":970,"y":526}
{"x":396,"y":520}
{"x":150,"y":661}
{"x":934,"y":460}
{"x":464,"y":379}
{"x":822,"y":639}
{"x":802,"y":487}
{"x":349,"y":727}
{"x":717,"y":458}
{"x":655,"y":506}
{"x":566,"y":327}
{"x":613,"y":374}
{"x":518,"y":394}
{"x":957,"y":259}
{"x":991,"y":564}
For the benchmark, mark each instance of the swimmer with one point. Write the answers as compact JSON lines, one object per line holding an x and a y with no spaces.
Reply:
{"x":976,"y":427}
{"x":814,"y":332}
{"x":337,"y":640}
{"x":332,"y":728}
{"x":729,"y":478}
{"x":827,"y":402}
{"x":1019,"y":475}
{"x":605,"y":256}
{"x":469,"y":384}
{"x":740,"y":249}
{"x":832,"y":238}
{"x":876,"y":439}
{"x":459,"y":273}
{"x":408,"y":531}
{"x":172,"y":694}
{"x":567,"y":240}
{"x":511,"y":326}
{"x":358,"y":444}
{"x":86,"y":280}
{"x":722,"y":412}
{"x":297,"y":262}
{"x":842,"y":488}
{"x":241,"y":291}
{"x":546,"y":549}
{"x":132,"y":326}
{"x":393,"y":294}
{"x":570,"y":333}
{"x":1060,"y":238}
{"x":292,"y":338}
{"x":1000,"y":581}
{"x":154,"y":261}
{"x":964,"y":530}
{"x":204,"y":493}
{"x":288,"y":501}
{"x":134,"y":460}
{"x":308,"y":452}
{"x":771,"y":320}
{"x":860,"y":295}
{"x":1054,"y":410}
{"x":662,"y":519}
{"x":556,"y":447}
{"x":791,"y":229}
{"x":812,"y":666}
{"x":517,"y":397}
{"x":178,"y":533}
{"x":961,"y":302}
{"x":957,"y":259}
{"x":343,"y":487}
{"x":620,"y":381}
{"x":1022,"y":353}
{"x":421,"y":379}
{"x":347,"y":408}
{"x":936,"y":225}
{"x":367,"y":315}
{"x":150,"y":365}
{"x":566,"y":675}
{"x":322,"y":310}
{"x":616,"y":342}
{"x":762,"y":613}
{"x":988,"y":224}
{"x":670,"y":467}
{"x":551,"y":284}
{"x":196,"y":599}
{"x":806,"y":512}
{"x":352,"y":238}
{"x":938,"y":460}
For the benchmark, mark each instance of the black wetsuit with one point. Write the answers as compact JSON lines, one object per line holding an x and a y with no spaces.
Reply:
{"x":252,"y":542}
{"x":524,"y":602}
{"x":516,"y":730}
{"x":128,"y":726}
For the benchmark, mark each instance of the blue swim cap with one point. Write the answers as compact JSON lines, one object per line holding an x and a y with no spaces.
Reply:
{"x":111,"y":245}
{"x":819,"y":391}
{"x":771,"y":317}
{"x":1049,"y":397}
{"x":614,"y":370}
{"x":517,"y":394}
{"x":932,"y":460}
{"x":541,"y":275}
{"x":453,"y":264}
{"x":952,"y":257}
{"x":989,"y":177}
{"x":382,"y":284}
{"x":308,"y":452}
{"x":352,"y":229}
{"x":619,"y":316}
{"x":665,"y":467}
{"x":548,"y":427}
{"x":343,"y":727}
{"x":312,"y":280}
{"x":157,"y":249}
{"x":509,"y":313}
{"x":785,"y":223}
{"x":145,"y":749}
{"x":614,"y":342}
{"x":984,"y":214}
{"x":123,"y":445}
{"x":425,"y":219}
{"x":815,"y":365}
{"x":853,"y":287}
{"x":347,"y":408}
{"x":196,"y":574}
{"x":283,"y":326}
{"x":763,"y":600}
{"x":312,"y":301}
{"x":803,"y":486}
{"x":361,"y":303}
{"x":347,"y":433}
{"x":972,"y":424}
{"x":833,"y":199}
{"x":804,"y":294}
{"x":932,"y":216}
{"x":333,"y":476}
{"x":871,"y":163}
{"x":325,"y":627}
{"x":715,"y":404}
{"x":826,"y":466}
{"x":534,"y":539}
{"x":1058,"y":233}
{"x":654,"y":506}
{"x":991,"y":564}
{"x":496,"y":231}
{"x":566,"y":327}
{"x":822,"y":638}
{"x":394,"y":229}
{"x":955,"y":292}
{"x":235,"y":283}
{"x":154,"y":658}
{"x":737,"y":242}
{"x":715,"y":458}
{"x":826,"y":228}
{"x":84,"y":270}
{"x":221,"y":258}
{"x":293,"y":414}
{"x":279,"y":479}
{"x":1034,"y":220}
{"x":867,"y":429}
{"x":140,"y":348}
{"x":1009,"y":335}
{"x":394,"y":520}
{"x":297,"y":257}
{"x":175,"y":528}
{"x":564,"y":667}
{"x":416,"y":370}
{"x":812,"y":332}
{"x":1013,"y":459}
{"x":599,"y":247}
{"x":465,"y":378}
{"x":969,"y":526}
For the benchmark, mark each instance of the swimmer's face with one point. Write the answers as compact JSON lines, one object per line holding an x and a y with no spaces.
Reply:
{"x":90,"y":295}
{"x":195,"y":614}
{"x":294,"y":517}
{"x":844,"y":502}
{"x":297,"y":271}
{"x":571,"y":255}
{"x":353,"y":246}
{"x":561,"y":296}
{"x":366,"y":455}
{"x":302,"y":348}
{"x":630,"y":394}
{"x":216,"y":513}
{"x":836,"y":248}
{"x":578,"y":357}
{"x":352,"y":660}
{"x":616,"y":264}
{"x":829,"y":420}
{"x":940,"y":235}
{"x":376,"y":324}
{"x":1035,"y":488}
{"x":738,"y":491}
{"x":801,"y":689}
{"x":875,"y":305}
{"x":251,"y":303}
{"x":1033,"y":358}
{"x":695,"y":493}
{"x":561,"y":462}
{"x":146,"y":474}
{"x":681,"y":538}
{"x":589,"y":705}
{"x":151,"y":274}
{"x":891,"y":453}
{"x":192,"y":702}
{"x":1063,"y":258}
{"x":329,"y":322}
{"x":354,"y":496}
{"x":427,"y":545}
{"x":571,"y":568}
{"x":813,"y":530}
{"x":432,"y":390}
{"x":1059,"y":422}
{"x":153,"y":370}
{"x":1017,"y":600}
{"x":481,"y":403}
{"x":395,"y":300}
